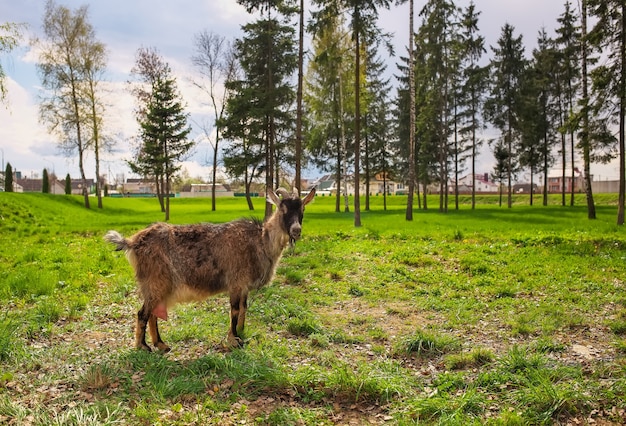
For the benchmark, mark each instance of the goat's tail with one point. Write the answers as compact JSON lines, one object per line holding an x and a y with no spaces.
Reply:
{"x":116,"y":238}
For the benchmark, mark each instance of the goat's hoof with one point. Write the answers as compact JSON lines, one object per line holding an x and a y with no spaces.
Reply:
{"x":163,"y":348}
{"x":144,"y":348}
{"x":235,"y":342}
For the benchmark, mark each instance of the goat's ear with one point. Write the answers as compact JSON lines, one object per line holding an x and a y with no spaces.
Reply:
{"x":273,"y":198}
{"x":309,"y":197}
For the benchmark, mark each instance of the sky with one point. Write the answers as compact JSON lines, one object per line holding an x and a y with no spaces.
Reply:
{"x":170,"y":26}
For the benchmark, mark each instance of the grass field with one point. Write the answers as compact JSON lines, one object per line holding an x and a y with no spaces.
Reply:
{"x":492,"y":316}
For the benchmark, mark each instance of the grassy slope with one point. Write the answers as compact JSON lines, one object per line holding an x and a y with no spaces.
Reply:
{"x":499,"y":315}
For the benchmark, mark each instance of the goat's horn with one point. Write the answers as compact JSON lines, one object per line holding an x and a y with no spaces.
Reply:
{"x":283,"y":193}
{"x":296,"y":193}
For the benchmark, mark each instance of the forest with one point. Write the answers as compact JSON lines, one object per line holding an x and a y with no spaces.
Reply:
{"x":340,"y":105}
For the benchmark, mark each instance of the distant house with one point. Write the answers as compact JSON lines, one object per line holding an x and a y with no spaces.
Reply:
{"x":556,"y":184}
{"x":482,"y":182}
{"x":56,"y":186}
{"x":29,"y":185}
{"x":382,"y":183}
{"x":138,"y":186}
{"x":196,"y":190}
{"x":524,"y":188}
{"x":326,"y":185}
{"x":77,"y":186}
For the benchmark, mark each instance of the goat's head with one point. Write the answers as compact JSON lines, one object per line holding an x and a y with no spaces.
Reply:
{"x":291,"y":210}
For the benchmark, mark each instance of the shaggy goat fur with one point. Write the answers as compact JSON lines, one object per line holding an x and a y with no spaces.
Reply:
{"x":184,"y":263}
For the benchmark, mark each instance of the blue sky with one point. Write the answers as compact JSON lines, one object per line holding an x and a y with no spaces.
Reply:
{"x":170,"y":27}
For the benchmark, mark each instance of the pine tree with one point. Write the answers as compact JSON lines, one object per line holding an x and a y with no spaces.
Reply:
{"x":164,"y":132}
{"x":568,"y":47}
{"x":8,"y":178}
{"x":438,"y":42}
{"x":45,"y":182}
{"x":376,"y":123}
{"x":329,"y":100}
{"x":473,"y":88}
{"x":539,"y":113}
{"x":268,"y":58}
{"x":363,"y":16}
{"x":68,"y":185}
{"x":609,"y":83}
{"x":503,"y":105}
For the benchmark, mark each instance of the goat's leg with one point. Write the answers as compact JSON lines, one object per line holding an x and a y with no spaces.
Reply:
{"x":156,"y":336}
{"x":143,"y":317}
{"x":243,"y":307}
{"x":234,"y":341}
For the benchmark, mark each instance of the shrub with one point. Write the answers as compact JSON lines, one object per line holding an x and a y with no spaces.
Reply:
{"x":427,"y":345}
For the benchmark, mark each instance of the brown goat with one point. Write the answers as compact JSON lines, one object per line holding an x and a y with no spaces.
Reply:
{"x":184,"y":263}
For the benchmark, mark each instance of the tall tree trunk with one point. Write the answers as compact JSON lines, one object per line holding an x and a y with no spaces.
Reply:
{"x":96,"y":141}
{"x":573,"y":174}
{"x":473,"y":163}
{"x":167,"y":198}
{"x":532,"y":192}
{"x":545,"y":172}
{"x":299,"y":99}
{"x":214,"y":171}
{"x":344,"y":148}
{"x":338,"y":180}
{"x":510,"y":165}
{"x":622,"y":112}
{"x":80,"y":144}
{"x":563,"y":171}
{"x":81,"y":167}
{"x":367,"y":170}
{"x":456,"y":160}
{"x":269,"y":166}
{"x":586,"y":142}
{"x":247,"y":181}
{"x":412,"y":179}
{"x":357,"y":129}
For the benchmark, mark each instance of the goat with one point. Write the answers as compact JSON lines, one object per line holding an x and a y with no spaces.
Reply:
{"x":185,"y":263}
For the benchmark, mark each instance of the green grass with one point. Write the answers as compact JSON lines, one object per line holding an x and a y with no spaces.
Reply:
{"x":485,"y":316}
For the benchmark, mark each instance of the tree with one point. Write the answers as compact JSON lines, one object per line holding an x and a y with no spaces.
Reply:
{"x":68,"y":185}
{"x":164,"y":134}
{"x":500,"y":172}
{"x":568,"y":47}
{"x":503,"y":105}
{"x":539,"y":113}
{"x":45,"y":182}
{"x":363,"y":15}
{"x":94,"y":64}
{"x":245,"y":156}
{"x":376,"y":122}
{"x":8,"y":178}
{"x":10,"y":36}
{"x":328,"y":99}
{"x":149,"y":69}
{"x":609,"y":80}
{"x":473,"y":87}
{"x":438,"y":44}
{"x":585,"y":139}
{"x":268,"y":59}
{"x":299,"y":98}
{"x":411,"y":136}
{"x":216,"y":60}
{"x":70,"y":60}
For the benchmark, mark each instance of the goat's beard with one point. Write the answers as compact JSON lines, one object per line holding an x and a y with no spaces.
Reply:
{"x":292,"y":242}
